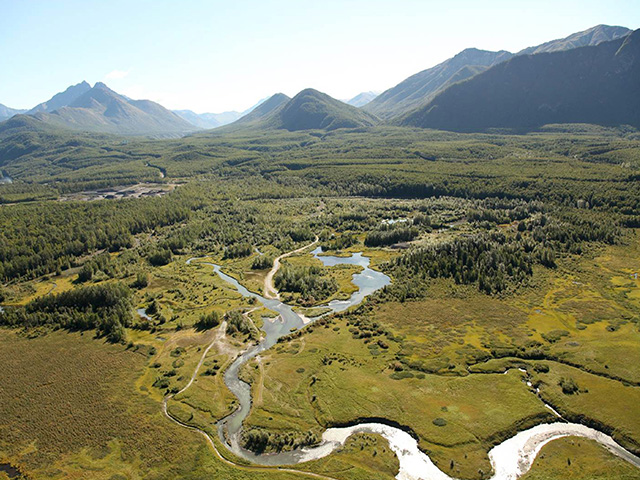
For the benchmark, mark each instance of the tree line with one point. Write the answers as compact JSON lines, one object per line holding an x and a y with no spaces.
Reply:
{"x":307,"y":281}
{"x":106,"y":308}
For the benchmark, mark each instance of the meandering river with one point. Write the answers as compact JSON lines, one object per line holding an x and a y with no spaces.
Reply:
{"x":510,"y":459}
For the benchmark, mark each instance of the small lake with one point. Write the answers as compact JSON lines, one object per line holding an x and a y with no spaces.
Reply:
{"x":367,"y":281}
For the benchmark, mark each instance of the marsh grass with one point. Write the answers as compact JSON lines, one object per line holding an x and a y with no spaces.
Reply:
{"x":579,"y":459}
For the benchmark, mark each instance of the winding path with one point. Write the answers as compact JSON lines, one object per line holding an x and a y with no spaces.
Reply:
{"x":269,"y":290}
{"x":217,"y":340}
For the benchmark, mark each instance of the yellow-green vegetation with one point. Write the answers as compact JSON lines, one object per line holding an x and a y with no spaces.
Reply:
{"x":504,"y":252}
{"x":174,"y":360}
{"x":21,"y":294}
{"x":74,"y":412}
{"x":207,"y":400}
{"x":606,"y":404}
{"x":588,"y":313}
{"x":579,"y":459}
{"x":410,"y":362}
{"x":188,"y":291}
{"x":329,"y":378}
{"x":363,"y":457}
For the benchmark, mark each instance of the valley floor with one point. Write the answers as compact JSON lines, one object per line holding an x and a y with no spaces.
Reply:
{"x":512,"y":300}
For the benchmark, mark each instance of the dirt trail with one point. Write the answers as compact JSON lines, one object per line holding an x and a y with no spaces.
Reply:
{"x":219,"y":340}
{"x":269,"y":290}
{"x":247,"y":316}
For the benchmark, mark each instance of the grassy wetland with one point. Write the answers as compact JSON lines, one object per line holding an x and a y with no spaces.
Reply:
{"x":513,"y":261}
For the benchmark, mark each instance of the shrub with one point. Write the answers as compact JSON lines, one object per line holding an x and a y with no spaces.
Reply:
{"x":260,"y":440}
{"x":401,"y":375}
{"x":141,"y":281}
{"x":160,"y":257}
{"x":541,"y":368}
{"x":236,"y":322}
{"x":207,"y":321}
{"x":307,"y":281}
{"x":153,"y":308}
{"x":86,"y":273}
{"x":389,"y":235}
{"x":568,"y":385}
{"x":554,"y":335}
{"x":239,"y":250}
{"x":161,"y":382}
{"x":262,"y":262}
{"x":211,"y":370}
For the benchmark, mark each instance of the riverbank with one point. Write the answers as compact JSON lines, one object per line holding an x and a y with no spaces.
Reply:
{"x":509,"y":460}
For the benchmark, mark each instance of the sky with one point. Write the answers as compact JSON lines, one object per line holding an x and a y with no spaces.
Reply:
{"x":214,"y":56}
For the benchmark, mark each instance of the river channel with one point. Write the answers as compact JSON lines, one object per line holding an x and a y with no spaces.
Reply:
{"x":510,"y":459}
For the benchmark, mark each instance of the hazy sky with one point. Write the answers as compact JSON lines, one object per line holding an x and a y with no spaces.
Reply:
{"x":211,"y":56}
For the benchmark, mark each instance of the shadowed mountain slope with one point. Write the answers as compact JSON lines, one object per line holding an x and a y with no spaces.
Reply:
{"x":596,"y":84}
{"x":62,"y":99}
{"x":422,"y":87}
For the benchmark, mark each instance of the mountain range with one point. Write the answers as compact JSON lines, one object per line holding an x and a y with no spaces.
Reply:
{"x":594,"y":84}
{"x":588,"y":77}
{"x":262,"y":111}
{"x":100,"y":109}
{"x":590,"y":37}
{"x":311,"y":109}
{"x":62,"y":99}
{"x":361,"y":99}
{"x":209,"y":120}
{"x":425,"y":85}
{"x":6,"y":112}
{"x":214,"y":120}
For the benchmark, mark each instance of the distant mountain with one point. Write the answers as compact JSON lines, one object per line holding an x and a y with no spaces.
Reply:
{"x":308,"y":110}
{"x":197,"y":120}
{"x":594,"y":84}
{"x":422,"y":87}
{"x":314,"y":110}
{"x":100,"y":109}
{"x":62,"y":99}
{"x":592,"y":36}
{"x":263,"y":110}
{"x":209,"y":120}
{"x":214,"y":120}
{"x":361,"y":99}
{"x":6,"y":112}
